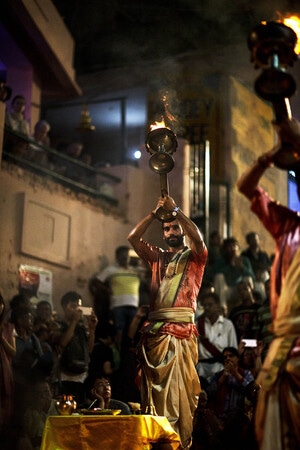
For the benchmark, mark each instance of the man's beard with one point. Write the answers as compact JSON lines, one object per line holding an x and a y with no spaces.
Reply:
{"x":175,"y":241}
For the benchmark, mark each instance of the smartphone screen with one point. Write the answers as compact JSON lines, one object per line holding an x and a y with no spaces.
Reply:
{"x":86,"y":310}
{"x":250,"y":342}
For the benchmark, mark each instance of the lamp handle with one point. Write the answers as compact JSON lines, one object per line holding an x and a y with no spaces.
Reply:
{"x":164,"y":184}
{"x":162,"y":214}
{"x":282,"y":109}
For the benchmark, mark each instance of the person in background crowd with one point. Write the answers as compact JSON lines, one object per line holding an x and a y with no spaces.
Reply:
{"x":76,"y":343}
{"x":33,"y":423}
{"x":41,"y":133}
{"x":125,"y":386}
{"x":86,"y":158}
{"x":19,"y":301}
{"x":244,"y":316}
{"x":43,"y":315}
{"x":65,"y":166}
{"x":84,"y":175}
{"x":25,"y":366}
{"x":228,"y":270}
{"x":250,"y":355}
{"x":46,"y":329}
{"x":41,"y":137}
{"x":215,"y":333}
{"x":98,"y":390}
{"x":124,"y":284}
{"x":74,"y":150}
{"x":214,"y":252}
{"x":215,"y":244}
{"x":278,"y":408}
{"x":259,"y":259}
{"x":226,"y":393}
{"x":15,"y":118}
{"x":207,"y":428}
{"x":264,"y":320}
{"x":103,"y":358}
{"x":101,"y":300}
{"x":5,"y":92}
{"x":207,"y":287}
{"x":7,"y":353}
{"x":167,"y":351}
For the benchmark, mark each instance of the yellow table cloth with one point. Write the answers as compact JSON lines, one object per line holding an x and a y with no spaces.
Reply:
{"x":78,"y":432}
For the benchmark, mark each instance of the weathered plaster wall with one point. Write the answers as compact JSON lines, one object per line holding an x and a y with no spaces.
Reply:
{"x":96,"y":230}
{"x":249,"y":134}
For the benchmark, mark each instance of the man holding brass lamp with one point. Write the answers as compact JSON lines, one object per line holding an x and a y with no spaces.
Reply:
{"x":168,"y":347}
{"x":278,"y":407}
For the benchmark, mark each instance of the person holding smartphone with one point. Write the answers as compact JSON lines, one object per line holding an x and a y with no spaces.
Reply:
{"x":226,"y":398}
{"x":76,"y":343}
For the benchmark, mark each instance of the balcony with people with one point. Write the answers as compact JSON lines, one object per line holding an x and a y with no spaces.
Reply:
{"x":69,"y":166}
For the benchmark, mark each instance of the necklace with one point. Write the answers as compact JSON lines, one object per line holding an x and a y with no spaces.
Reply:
{"x":172,"y":265}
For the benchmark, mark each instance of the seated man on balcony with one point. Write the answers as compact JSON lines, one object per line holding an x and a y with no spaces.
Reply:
{"x":40,"y":136}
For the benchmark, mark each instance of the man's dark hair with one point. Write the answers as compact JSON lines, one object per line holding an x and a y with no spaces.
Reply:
{"x":212,"y":295}
{"x":18,"y":313}
{"x":19,"y":300}
{"x":234,"y":351}
{"x":17,"y":97}
{"x":90,"y":381}
{"x":250,"y":235}
{"x":43,"y":302}
{"x":167,"y":221}
{"x":230,"y":241}
{"x":121,"y":249}
{"x":69,"y":297}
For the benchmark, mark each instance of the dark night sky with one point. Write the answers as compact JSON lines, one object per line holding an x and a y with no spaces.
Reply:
{"x":119,"y":33}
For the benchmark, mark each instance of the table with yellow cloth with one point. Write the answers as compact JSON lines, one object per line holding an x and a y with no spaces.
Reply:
{"x":78,"y":432}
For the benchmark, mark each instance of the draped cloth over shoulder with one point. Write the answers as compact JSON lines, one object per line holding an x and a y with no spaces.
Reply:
{"x":278,"y":409}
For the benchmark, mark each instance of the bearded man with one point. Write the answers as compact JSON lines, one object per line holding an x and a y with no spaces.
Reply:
{"x":168,"y":347}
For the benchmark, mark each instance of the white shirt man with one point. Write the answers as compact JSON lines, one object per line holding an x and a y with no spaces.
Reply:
{"x":215,"y":333}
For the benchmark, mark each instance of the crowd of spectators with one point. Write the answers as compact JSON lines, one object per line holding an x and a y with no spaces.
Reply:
{"x":82,"y":355}
{"x":234,"y":326}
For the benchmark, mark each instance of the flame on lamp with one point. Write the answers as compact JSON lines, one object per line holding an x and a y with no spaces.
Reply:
{"x":293,"y":22}
{"x":166,"y":117}
{"x":156,"y":125}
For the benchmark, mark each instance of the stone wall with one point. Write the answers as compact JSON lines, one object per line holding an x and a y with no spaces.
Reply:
{"x":249,"y":133}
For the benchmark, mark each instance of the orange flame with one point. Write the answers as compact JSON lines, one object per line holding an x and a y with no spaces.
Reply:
{"x":156,"y":125}
{"x":166,"y":117}
{"x":292,"y":21}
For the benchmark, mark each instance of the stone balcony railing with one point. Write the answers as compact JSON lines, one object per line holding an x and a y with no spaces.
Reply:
{"x":59,"y":167}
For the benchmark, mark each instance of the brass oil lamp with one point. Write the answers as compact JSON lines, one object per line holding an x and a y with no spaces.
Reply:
{"x":66,"y":405}
{"x":161,"y":143}
{"x":272,"y":45}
